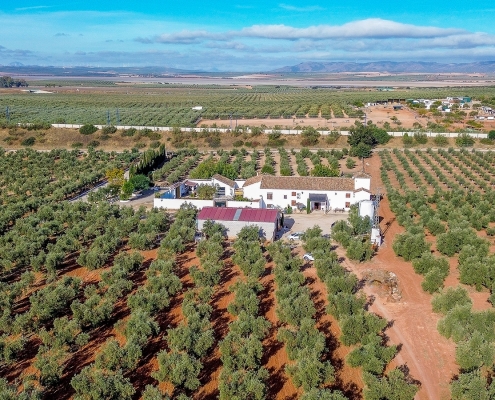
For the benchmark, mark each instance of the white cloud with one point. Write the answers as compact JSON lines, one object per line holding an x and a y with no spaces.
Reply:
{"x":184,"y":37}
{"x":31,"y":8}
{"x":288,"y":7}
{"x":372,"y":28}
{"x":367,"y":28}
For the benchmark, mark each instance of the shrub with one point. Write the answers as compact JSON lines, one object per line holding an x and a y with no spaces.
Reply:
{"x":474,"y":352}
{"x":420,"y":138}
{"x":470,"y":386}
{"x":153,"y":135}
{"x":87,"y":129}
{"x":487,"y":141}
{"x":93,"y":143}
{"x":410,"y":246}
{"x":359,"y":250}
{"x":310,"y":136}
{"x":332,"y":137}
{"x":407,"y":140}
{"x":450,"y":298}
{"x":129,"y":132}
{"x":440,"y":140}
{"x":238,"y":143}
{"x":154,"y":145}
{"x":394,"y":386}
{"x":76,"y":145}
{"x":491,"y":135}
{"x":428,"y":262}
{"x":464,"y":140}
{"x":28,"y":141}
{"x":108,"y":130}
{"x":214,"y":142}
{"x":433,"y":280}
{"x":350,"y":163}
{"x":490,"y":231}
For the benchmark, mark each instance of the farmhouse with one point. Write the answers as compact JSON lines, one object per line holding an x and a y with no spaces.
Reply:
{"x":234,"y":219}
{"x":317,"y":193}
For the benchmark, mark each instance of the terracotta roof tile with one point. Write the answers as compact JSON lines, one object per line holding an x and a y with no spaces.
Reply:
{"x":223,"y":179}
{"x":253,"y":180}
{"x":361,"y":174}
{"x":306,"y":183}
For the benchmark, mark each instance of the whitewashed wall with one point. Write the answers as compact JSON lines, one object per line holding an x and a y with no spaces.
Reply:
{"x":174,"y":204}
{"x":283,"y":131}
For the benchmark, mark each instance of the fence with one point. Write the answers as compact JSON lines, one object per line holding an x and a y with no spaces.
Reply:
{"x":267,"y":131}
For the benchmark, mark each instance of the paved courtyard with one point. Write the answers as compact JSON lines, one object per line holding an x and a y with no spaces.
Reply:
{"x":299,"y":222}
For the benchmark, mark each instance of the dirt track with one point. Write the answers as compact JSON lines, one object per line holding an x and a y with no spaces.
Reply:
{"x":428,"y":355}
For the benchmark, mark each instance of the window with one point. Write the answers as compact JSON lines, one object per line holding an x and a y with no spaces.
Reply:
{"x":285,"y":196}
{"x":347,"y":195}
{"x":293,"y":193}
{"x":347,"y":204}
{"x":293,"y":203}
{"x":269,"y":196}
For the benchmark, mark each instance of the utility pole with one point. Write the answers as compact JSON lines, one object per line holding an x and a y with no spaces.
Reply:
{"x":7,"y":114}
{"x":118,"y":116}
{"x":108,"y":117}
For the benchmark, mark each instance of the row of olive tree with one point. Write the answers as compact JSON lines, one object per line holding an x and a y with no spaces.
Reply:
{"x":359,"y":327}
{"x":305,"y":345}
{"x":242,"y":374}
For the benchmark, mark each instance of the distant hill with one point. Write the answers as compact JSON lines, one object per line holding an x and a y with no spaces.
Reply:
{"x":19,"y":69}
{"x":390,"y":66}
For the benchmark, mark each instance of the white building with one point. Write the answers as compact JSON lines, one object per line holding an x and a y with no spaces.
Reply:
{"x":318,"y":193}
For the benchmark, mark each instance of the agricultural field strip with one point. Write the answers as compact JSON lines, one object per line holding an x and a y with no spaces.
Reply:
{"x":242,"y":348}
{"x":174,"y":108}
{"x":473,"y":214}
{"x":110,"y":289}
{"x":192,"y":341}
{"x":296,"y":311}
{"x":55,"y":260}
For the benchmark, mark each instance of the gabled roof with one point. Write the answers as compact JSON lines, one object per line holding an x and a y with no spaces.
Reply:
{"x":223,"y":179}
{"x":253,"y":180}
{"x":306,"y":183}
{"x":190,"y":183}
{"x":361,"y":174}
{"x":238,"y":214}
{"x":362,"y":190}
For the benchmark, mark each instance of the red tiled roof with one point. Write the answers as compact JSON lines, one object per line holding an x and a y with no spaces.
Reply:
{"x":223,"y":179}
{"x":252,"y":180}
{"x":243,"y":214}
{"x":306,"y":183}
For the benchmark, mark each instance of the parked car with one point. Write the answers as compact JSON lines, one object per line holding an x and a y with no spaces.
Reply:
{"x":308,"y":257}
{"x":295,"y":236}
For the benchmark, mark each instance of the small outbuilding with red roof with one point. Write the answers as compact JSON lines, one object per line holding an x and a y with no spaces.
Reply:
{"x":234,"y":219}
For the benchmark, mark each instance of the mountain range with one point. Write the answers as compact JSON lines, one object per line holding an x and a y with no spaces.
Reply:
{"x":390,"y":66}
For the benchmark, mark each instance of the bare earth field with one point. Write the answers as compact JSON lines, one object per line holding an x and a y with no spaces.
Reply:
{"x":377,"y":114}
{"x":396,"y":80}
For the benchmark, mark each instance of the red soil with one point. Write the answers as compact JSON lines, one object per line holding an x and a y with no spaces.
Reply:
{"x":348,"y":379}
{"x":428,"y":355}
{"x":220,"y":320}
{"x":280,"y":386}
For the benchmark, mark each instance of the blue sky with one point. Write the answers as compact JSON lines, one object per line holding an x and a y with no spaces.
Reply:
{"x":243,"y":36}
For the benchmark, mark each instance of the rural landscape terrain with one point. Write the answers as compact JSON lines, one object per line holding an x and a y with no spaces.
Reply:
{"x":104,"y":296}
